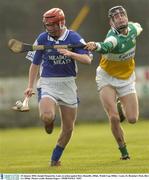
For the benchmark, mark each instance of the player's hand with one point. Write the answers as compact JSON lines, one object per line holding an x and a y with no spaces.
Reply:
{"x":29,"y":92}
{"x":65,"y":52}
{"x":91,"y":46}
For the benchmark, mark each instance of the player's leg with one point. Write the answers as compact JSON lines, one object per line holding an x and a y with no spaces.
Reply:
{"x":47,"y":113}
{"x":108,"y":99}
{"x":128,"y":98}
{"x":68,"y":117}
{"x":131,"y":107}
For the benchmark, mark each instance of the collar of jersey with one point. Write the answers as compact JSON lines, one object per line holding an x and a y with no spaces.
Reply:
{"x":62,"y":38}
{"x":126,"y":34}
{"x":121,"y":34}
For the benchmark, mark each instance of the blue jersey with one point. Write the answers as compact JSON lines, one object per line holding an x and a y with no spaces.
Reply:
{"x":53,"y":63}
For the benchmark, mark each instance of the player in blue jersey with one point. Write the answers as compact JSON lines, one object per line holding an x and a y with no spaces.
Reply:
{"x":58,"y":70}
{"x":115,"y":75}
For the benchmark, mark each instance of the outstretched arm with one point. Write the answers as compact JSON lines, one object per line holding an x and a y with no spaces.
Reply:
{"x":103,"y":47}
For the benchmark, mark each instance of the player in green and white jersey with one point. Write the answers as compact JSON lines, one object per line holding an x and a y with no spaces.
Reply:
{"x":115,"y":75}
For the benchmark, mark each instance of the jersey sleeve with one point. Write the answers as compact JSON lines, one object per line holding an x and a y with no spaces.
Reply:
{"x":30,"y":54}
{"x":36,"y":56}
{"x":138,"y":28}
{"x":107,"y":46}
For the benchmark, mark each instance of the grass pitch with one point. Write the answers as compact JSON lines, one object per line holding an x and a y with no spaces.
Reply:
{"x":92,"y":149}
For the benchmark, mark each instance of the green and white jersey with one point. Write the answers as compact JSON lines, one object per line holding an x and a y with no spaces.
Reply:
{"x":118,"y":51}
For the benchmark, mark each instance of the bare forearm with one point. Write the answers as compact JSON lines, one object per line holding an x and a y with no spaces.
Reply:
{"x":33,"y":72}
{"x":83,"y":58}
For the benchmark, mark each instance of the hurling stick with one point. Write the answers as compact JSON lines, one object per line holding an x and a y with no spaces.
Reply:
{"x":24,"y":107}
{"x":20,"y":47}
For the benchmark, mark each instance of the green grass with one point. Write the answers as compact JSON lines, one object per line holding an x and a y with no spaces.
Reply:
{"x":92,"y":149}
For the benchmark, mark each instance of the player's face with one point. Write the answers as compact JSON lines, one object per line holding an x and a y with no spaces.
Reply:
{"x":53,"y":29}
{"x":120,"y":20}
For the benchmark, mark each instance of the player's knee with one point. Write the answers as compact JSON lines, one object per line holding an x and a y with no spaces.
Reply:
{"x":47,"y":116}
{"x":132,"y":120}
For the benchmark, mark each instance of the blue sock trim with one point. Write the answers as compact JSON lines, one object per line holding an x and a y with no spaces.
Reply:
{"x":57,"y":152}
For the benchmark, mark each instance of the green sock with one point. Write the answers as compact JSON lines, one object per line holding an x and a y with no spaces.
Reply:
{"x":123,"y":151}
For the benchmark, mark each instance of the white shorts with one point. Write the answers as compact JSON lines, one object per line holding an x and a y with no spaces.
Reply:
{"x":122,"y":87}
{"x":62,"y":91}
